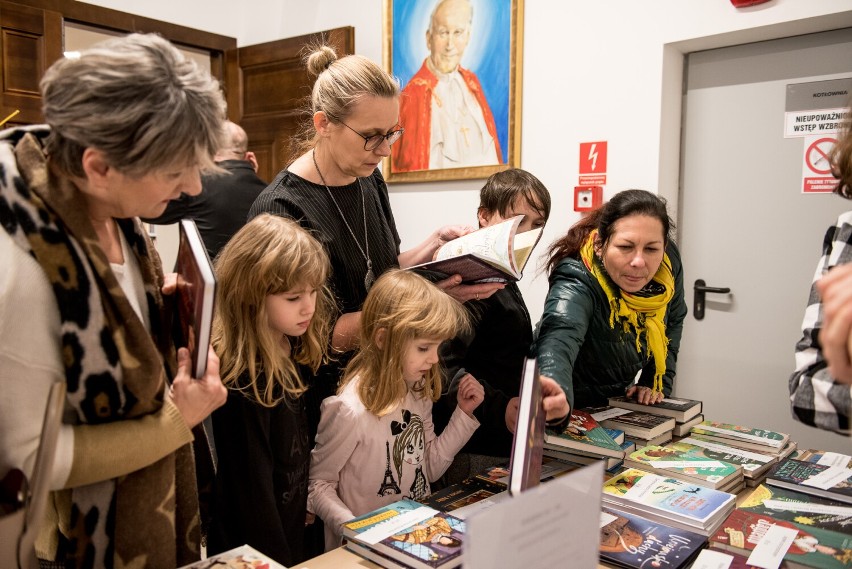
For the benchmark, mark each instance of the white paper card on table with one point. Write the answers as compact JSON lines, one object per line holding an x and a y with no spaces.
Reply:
{"x":607,"y":518}
{"x":712,"y":559}
{"x":393,"y":525}
{"x":828,"y":478}
{"x":772,"y":547}
{"x":784,"y":505}
{"x":549,"y":524}
{"x":610,"y":413}
{"x":687,"y":464}
{"x":643,"y":486}
{"x":834,"y":459}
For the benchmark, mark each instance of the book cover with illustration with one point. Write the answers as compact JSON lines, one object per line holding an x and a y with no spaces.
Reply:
{"x":497,"y":253}
{"x":795,"y":475}
{"x":687,"y":464}
{"x":585,"y":434}
{"x":434,"y":543}
{"x":681,"y":409}
{"x":804,"y":509}
{"x":681,"y":502}
{"x":242,"y":557}
{"x":741,"y":531}
{"x":464,"y":493}
{"x":742,"y":436}
{"x":629,"y":540}
{"x":754,"y":464}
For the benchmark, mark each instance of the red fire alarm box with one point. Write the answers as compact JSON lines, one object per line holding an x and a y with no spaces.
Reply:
{"x":587,"y":198}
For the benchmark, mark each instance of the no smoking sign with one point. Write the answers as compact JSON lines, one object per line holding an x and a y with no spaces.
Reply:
{"x":816,"y":168}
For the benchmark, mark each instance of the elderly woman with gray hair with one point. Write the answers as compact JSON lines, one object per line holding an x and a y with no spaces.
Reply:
{"x":131,"y":123}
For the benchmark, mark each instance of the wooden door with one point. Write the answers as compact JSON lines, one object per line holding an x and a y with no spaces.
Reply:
{"x":273,"y":89}
{"x":30,"y":40}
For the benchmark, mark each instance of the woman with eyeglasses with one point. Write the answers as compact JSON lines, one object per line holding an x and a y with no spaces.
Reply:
{"x":333,"y":188}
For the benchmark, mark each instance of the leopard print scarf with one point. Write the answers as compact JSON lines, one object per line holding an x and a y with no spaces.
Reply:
{"x":114,"y":367}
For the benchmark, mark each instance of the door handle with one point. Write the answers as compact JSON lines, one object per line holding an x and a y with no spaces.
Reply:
{"x":700,"y":289}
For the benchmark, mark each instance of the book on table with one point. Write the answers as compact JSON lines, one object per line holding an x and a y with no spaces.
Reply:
{"x":468,"y":491}
{"x":668,"y":500}
{"x":611,"y":463}
{"x":238,"y":558}
{"x":376,"y":557}
{"x":528,"y":439}
{"x":408,"y":532}
{"x":742,"y":531}
{"x":615,"y":434}
{"x":755,"y":464}
{"x":632,"y":541}
{"x":832,"y":482}
{"x":583,"y":434}
{"x":682,"y":429}
{"x":761,"y":440}
{"x":195,"y":295}
{"x":661,"y":439}
{"x":792,"y":506}
{"x":638,"y":424}
{"x":497,"y":253}
{"x":828,"y":458}
{"x":686,"y":464}
{"x":681,"y":409}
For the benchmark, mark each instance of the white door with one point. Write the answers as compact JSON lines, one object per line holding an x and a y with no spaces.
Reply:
{"x":745,"y":224}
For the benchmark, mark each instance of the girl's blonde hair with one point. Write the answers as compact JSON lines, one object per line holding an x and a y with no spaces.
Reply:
{"x":269,"y":255}
{"x":405,"y":307}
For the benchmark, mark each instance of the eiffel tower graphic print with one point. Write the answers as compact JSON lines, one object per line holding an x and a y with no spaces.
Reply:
{"x":389,"y":485}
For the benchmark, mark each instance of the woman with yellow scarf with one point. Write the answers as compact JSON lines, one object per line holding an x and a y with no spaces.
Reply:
{"x":615,"y":308}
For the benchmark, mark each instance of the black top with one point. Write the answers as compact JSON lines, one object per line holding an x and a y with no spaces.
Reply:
{"x":262,"y":479}
{"x":221,"y":209}
{"x":495,"y":356}
{"x":292,"y":196}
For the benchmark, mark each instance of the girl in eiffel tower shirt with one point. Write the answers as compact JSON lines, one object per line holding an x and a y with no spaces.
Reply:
{"x":376,"y":443}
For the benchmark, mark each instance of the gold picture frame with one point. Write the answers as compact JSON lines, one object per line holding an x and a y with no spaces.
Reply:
{"x":496,"y":72}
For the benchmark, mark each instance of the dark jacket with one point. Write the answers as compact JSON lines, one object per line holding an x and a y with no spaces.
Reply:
{"x":221,"y":209}
{"x":577,"y":347}
{"x":494,"y":354}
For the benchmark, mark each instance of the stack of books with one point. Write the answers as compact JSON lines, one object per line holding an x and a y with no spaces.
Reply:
{"x":670,"y":501}
{"x":685,"y":412}
{"x":742,"y":531}
{"x":237,"y":558}
{"x":583,"y":441}
{"x":632,"y":541}
{"x":407,"y":534}
{"x":831,"y":482}
{"x":689,"y":464}
{"x":640,"y":428}
{"x":760,"y":447}
{"x":805,"y":509}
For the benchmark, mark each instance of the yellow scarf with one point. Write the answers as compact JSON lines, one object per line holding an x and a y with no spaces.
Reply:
{"x":639,"y":314}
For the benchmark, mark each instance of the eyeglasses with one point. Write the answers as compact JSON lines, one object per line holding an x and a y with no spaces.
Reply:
{"x":373,"y":142}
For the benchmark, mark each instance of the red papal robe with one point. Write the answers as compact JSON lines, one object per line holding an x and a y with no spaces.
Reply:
{"x":411,"y":152}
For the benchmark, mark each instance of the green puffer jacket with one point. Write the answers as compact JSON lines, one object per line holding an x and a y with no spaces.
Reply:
{"x":577,"y":347}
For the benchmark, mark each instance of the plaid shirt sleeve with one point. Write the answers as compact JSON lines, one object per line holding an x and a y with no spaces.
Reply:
{"x":815,"y":398}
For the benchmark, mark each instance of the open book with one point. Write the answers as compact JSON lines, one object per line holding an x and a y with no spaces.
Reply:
{"x":196,"y":292}
{"x":497,"y":253}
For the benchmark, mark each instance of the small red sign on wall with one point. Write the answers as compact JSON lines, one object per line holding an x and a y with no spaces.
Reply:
{"x":593,"y":163}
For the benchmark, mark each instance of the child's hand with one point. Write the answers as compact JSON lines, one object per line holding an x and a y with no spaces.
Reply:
{"x":470,"y":394}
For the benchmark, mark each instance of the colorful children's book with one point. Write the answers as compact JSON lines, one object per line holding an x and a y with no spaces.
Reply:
{"x":685,"y":464}
{"x":406,"y":531}
{"x":754,"y":464}
{"x":832,"y":482}
{"x":629,"y":540}
{"x":761,"y":440}
{"x":681,"y":409}
{"x":241,"y":557}
{"x":584,"y":434}
{"x":668,"y":500}
{"x":741,"y":531}
{"x":805,"y":509}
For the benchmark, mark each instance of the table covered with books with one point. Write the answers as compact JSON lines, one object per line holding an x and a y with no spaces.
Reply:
{"x":714,"y":495}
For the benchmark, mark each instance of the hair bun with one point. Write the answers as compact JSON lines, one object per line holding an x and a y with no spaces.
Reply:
{"x":320,"y":59}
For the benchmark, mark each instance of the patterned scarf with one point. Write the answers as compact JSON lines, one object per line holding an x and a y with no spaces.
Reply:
{"x":641,"y":314}
{"x":113,"y":368}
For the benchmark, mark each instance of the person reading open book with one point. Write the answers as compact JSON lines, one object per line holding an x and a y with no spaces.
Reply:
{"x":496,"y":253}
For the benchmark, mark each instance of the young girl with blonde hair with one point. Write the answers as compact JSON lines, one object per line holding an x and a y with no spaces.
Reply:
{"x":376,"y":443}
{"x":271,"y":331}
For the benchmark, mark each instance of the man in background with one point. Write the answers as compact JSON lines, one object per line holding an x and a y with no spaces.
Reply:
{"x":221,"y":209}
{"x":447,"y":120}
